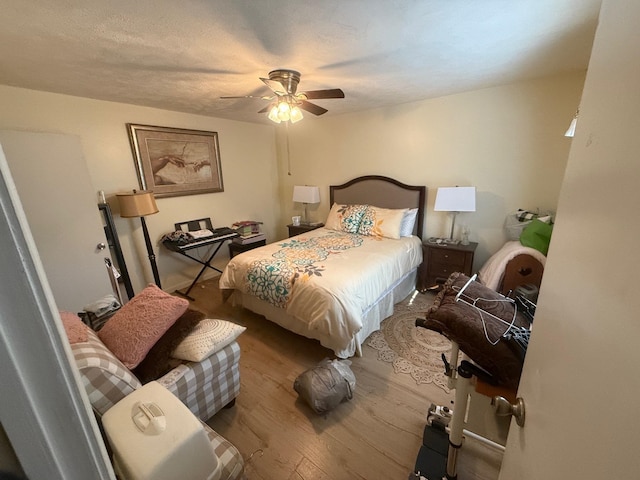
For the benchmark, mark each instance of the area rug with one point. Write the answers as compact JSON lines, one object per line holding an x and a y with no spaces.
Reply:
{"x":412,"y":350}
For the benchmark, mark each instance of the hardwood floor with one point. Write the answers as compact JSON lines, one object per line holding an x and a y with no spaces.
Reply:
{"x":376,"y":435}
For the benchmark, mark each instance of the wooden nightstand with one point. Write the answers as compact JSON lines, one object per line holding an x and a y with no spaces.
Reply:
{"x":236,"y":248}
{"x":441,"y":260}
{"x":298,"y":229}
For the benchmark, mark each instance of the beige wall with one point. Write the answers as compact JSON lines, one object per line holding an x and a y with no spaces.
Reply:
{"x":507,"y":141}
{"x":248,"y":165}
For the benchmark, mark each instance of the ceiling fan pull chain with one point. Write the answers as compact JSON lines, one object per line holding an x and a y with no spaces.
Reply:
{"x":286,"y":126}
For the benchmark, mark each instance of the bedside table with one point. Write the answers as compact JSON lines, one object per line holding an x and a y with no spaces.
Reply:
{"x":298,"y":229}
{"x":236,"y":248}
{"x":440,"y":261}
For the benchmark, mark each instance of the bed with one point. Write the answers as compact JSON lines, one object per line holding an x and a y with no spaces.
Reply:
{"x":336,"y":284}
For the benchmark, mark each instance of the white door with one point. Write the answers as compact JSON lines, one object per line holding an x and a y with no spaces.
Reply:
{"x":61,"y":207}
{"x":581,"y":380}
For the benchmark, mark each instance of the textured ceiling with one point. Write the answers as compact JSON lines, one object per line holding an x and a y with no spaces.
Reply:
{"x":183,"y":56}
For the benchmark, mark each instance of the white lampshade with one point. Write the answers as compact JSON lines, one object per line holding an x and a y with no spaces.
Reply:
{"x":306,"y":194}
{"x":455,"y":199}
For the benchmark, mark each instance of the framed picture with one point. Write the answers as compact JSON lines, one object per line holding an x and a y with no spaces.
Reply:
{"x":174,"y":161}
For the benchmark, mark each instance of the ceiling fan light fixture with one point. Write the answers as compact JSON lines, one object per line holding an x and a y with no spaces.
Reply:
{"x":273,"y":114}
{"x":296,"y":114}
{"x":286,"y":103}
{"x":283,"y":112}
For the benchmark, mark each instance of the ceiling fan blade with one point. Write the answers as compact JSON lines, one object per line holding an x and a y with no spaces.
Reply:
{"x":311,"y":107}
{"x":318,"y":94}
{"x":276,"y":87}
{"x":265,"y":109}
{"x":249,"y":96}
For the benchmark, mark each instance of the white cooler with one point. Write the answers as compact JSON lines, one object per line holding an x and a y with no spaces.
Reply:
{"x":154,"y":436}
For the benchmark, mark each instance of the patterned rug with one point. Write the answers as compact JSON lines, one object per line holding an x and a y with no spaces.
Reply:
{"x":412,"y":350}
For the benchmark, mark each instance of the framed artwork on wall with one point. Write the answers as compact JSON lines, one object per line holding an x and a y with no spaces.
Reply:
{"x":175,"y":161}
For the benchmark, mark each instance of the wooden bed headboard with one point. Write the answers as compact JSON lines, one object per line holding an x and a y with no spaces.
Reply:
{"x":383,"y":192}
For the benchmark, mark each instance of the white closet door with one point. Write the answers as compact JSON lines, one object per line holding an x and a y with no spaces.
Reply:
{"x":60,"y":203}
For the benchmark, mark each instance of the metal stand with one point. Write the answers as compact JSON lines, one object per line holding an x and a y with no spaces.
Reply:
{"x":444,"y":465}
{"x":152,"y":256}
{"x":206,"y":264}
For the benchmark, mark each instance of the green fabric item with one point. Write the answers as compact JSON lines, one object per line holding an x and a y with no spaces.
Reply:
{"x":537,"y":235}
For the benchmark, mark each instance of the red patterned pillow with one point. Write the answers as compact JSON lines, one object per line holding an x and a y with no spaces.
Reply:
{"x":73,"y":326}
{"x":140,"y":323}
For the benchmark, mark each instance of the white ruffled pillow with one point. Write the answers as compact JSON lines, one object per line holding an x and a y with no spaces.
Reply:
{"x":207,"y":337}
{"x":408,"y":222}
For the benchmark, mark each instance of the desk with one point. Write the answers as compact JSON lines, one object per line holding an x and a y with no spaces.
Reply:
{"x":184,"y":250}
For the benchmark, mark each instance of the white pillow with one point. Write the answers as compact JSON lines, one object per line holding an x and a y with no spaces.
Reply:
{"x":381,"y":222}
{"x":408,"y":221}
{"x":207,"y":337}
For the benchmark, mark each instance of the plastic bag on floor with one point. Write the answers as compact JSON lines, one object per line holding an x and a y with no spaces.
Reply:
{"x":326,"y":385}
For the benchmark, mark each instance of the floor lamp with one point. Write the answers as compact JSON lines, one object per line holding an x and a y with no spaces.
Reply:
{"x":140,"y":204}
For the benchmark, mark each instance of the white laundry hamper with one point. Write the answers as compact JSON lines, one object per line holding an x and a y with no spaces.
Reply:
{"x":154,"y":436}
{"x":517,"y":221}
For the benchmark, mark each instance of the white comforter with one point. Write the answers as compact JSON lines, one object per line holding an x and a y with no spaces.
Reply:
{"x":324,"y":278}
{"x":492,"y":271}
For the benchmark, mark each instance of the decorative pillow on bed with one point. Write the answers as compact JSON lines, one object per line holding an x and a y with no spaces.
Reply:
{"x":207,"y":338}
{"x":140,"y":323}
{"x":75,"y":329}
{"x":408,"y":222}
{"x":345,"y":218}
{"x":382,"y":222}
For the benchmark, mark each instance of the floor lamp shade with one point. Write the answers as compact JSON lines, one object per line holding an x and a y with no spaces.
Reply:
{"x":137,"y":204}
{"x":141,"y":204}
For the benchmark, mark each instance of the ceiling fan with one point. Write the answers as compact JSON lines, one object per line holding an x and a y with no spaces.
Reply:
{"x":286,"y":103}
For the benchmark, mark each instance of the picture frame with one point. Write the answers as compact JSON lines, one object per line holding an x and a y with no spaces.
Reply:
{"x":175,"y":161}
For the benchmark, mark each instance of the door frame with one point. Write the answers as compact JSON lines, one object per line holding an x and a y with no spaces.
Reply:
{"x":44,"y":409}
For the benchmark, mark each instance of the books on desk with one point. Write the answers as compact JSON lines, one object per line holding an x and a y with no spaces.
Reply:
{"x":249,"y":238}
{"x":247,"y":227}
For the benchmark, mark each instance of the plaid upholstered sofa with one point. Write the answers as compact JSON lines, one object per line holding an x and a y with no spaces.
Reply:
{"x":204,"y":387}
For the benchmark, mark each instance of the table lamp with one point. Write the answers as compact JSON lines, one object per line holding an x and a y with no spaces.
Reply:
{"x":455,"y":200}
{"x":140,"y":204}
{"x":306,"y":194}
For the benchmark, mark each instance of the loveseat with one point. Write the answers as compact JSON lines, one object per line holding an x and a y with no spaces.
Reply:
{"x":204,"y":386}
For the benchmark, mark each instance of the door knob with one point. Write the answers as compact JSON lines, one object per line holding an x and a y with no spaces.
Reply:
{"x":101,"y":246}
{"x":503,"y":408}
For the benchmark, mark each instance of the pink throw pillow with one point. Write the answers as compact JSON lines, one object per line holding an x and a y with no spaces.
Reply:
{"x":73,"y":326}
{"x":140,"y":323}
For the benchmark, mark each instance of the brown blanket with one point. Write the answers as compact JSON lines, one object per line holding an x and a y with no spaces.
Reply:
{"x":159,"y":361}
{"x":463,"y":324}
